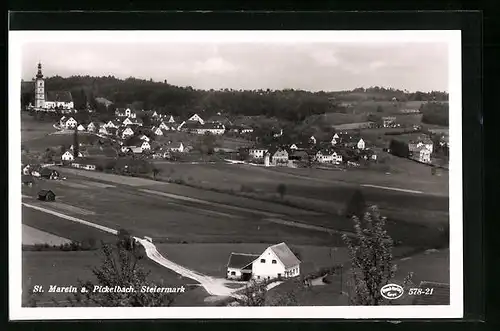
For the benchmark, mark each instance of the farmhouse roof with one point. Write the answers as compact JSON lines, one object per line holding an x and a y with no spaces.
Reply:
{"x":61,"y":96}
{"x":213,"y":125}
{"x":192,"y":125}
{"x":440,"y":294}
{"x":286,"y":256}
{"x":240,"y":260}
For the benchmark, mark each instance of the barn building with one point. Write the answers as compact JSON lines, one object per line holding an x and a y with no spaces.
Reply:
{"x":276,"y":262}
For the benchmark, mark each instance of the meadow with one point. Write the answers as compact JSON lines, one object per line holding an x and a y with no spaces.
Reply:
{"x":32,"y":129}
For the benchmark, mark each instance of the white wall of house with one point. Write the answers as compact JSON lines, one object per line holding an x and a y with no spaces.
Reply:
{"x":257,"y":153}
{"x":361,"y":144}
{"x":145,"y":145}
{"x":71,"y":123}
{"x":67,"y":156}
{"x":264,"y":268}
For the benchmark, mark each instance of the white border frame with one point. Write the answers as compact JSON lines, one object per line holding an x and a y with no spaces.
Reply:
{"x":453,"y":38}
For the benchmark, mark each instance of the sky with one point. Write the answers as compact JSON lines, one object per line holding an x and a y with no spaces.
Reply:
{"x":320,"y":66}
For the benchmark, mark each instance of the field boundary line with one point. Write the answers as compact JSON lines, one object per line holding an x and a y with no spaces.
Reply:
{"x":393,"y":189}
{"x":71,"y":218}
{"x":205,"y":202}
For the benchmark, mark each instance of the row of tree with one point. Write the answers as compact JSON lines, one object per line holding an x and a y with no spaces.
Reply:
{"x":288,"y":104}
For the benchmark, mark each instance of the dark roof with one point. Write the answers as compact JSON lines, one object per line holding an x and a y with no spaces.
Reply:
{"x":213,"y":126}
{"x":440,"y":294}
{"x":45,"y":192}
{"x":240,"y":260}
{"x":192,"y":125}
{"x":61,"y":96}
{"x":285,"y":255}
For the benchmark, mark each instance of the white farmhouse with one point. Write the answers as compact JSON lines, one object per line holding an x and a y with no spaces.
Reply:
{"x":158,"y":132}
{"x":145,"y":146}
{"x":91,"y":127}
{"x":196,"y":118}
{"x":71,"y":123}
{"x":81,"y":128}
{"x":361,"y":144}
{"x":127,"y":132}
{"x":127,"y":121}
{"x":164,"y":126}
{"x":335,"y":139}
{"x":277,"y":261}
{"x":171,"y":119}
{"x":67,"y":156}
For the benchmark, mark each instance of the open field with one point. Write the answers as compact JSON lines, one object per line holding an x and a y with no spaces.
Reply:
{"x":32,"y":236}
{"x":168,"y":212}
{"x":169,"y":220}
{"x":189,"y":139}
{"x":32,"y":129}
{"x":57,"y":140}
{"x":67,"y":268}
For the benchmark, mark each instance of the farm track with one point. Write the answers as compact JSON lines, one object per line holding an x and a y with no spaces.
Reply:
{"x":214,"y":286}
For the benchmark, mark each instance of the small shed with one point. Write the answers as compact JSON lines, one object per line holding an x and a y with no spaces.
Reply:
{"x":49,"y":173}
{"x":46,"y":195}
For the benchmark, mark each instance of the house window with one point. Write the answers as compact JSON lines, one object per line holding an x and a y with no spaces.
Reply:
{"x":262,"y":260}
{"x":274,"y":262}
{"x":258,"y":277}
{"x":233,"y":273}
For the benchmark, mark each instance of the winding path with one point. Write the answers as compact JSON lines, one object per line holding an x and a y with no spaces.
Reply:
{"x":214,"y":286}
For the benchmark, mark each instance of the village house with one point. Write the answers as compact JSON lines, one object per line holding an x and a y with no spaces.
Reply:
{"x":81,"y":127}
{"x":293,"y":147}
{"x":324,"y":156}
{"x":67,"y":156}
{"x":245,"y":129}
{"x":59,"y":100}
{"x":62,"y":121}
{"x":144,"y":137}
{"x":257,"y":152}
{"x":171,"y":119}
{"x":111,"y":124}
{"x":280,"y":157}
{"x":424,"y":155}
{"x":414,"y":145}
{"x":175,"y":147}
{"x":239,"y":266}
{"x":127,"y":121}
{"x":145,"y":146}
{"x":126,"y":133}
{"x":212,"y":128}
{"x":112,"y":132}
{"x":276,"y":262}
{"x":335,"y":139}
{"x":164,"y":126}
{"x":312,"y":140}
{"x":71,"y":123}
{"x":91,"y":127}
{"x":27,"y":180}
{"x":410,"y":111}
{"x":361,"y":144}
{"x":158,"y":131}
{"x":196,"y":118}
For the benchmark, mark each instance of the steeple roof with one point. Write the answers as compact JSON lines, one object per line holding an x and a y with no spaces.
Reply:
{"x":39,"y":73}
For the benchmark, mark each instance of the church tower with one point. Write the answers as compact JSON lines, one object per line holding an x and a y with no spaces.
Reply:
{"x":39,"y":88}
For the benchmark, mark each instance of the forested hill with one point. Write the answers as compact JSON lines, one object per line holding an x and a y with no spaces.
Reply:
{"x":289,"y":104}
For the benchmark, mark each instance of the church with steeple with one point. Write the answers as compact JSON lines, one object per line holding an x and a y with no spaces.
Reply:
{"x":50,"y":100}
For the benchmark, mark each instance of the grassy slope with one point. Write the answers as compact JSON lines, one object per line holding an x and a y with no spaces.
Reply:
{"x":32,"y":129}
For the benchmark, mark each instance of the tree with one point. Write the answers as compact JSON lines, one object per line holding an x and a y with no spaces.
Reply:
{"x":76,"y":145}
{"x":281,"y":189}
{"x":399,"y":148}
{"x":155,"y":171}
{"x":356,"y":206}
{"x":120,"y":268}
{"x":371,"y":259}
{"x":256,"y":294}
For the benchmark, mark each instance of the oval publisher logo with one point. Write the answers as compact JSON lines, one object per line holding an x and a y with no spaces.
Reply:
{"x":391,"y":291}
